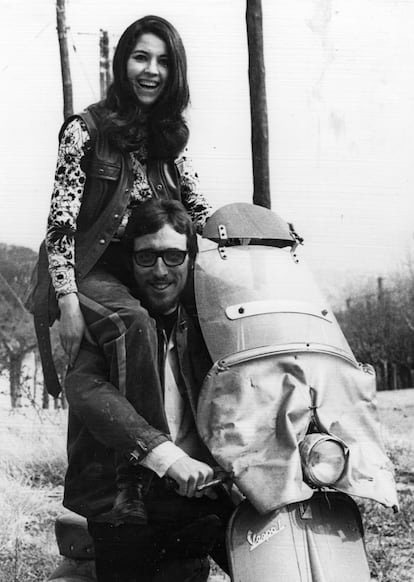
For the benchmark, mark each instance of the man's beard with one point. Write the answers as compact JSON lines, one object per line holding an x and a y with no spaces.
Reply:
{"x":159,"y":306}
{"x":155,"y":305}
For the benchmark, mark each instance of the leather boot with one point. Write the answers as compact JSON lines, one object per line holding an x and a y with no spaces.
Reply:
{"x":129,"y":505}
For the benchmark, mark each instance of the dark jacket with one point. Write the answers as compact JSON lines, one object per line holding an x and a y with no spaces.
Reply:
{"x":103,"y":422}
{"x":109,"y":179}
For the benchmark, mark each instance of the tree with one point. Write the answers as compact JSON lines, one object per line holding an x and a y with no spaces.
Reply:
{"x":17,"y":337}
{"x":379,"y":325}
{"x":17,"y":334}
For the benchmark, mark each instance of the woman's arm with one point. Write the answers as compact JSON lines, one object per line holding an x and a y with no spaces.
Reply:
{"x":61,"y":227}
{"x":72,"y":325}
{"x":194,"y":201}
{"x":65,"y":205}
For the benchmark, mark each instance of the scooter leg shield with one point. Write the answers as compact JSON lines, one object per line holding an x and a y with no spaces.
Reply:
{"x":320,"y":540}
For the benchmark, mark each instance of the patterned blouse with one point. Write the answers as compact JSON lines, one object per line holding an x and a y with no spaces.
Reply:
{"x":67,"y":199}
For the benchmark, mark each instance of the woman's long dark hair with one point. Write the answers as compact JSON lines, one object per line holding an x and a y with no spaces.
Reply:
{"x":161,"y":128}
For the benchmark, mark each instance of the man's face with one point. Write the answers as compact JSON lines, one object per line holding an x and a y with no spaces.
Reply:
{"x":160,"y":286}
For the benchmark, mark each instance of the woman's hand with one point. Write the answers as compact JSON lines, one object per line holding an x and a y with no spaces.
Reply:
{"x":71,"y":325}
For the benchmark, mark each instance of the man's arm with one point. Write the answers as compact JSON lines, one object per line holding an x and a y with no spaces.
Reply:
{"x":113,"y":421}
{"x":105,"y":412}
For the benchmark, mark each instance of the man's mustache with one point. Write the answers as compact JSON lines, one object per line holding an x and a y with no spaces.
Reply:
{"x":165,"y":279}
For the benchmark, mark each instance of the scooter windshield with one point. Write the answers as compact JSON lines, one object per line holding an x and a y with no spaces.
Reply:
{"x":251,"y":297}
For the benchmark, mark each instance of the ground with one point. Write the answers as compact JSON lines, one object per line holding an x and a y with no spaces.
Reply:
{"x":390,"y":537}
{"x":32,"y":464}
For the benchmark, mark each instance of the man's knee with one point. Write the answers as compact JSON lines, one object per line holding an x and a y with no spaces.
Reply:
{"x":101,"y":294}
{"x":116,"y":317}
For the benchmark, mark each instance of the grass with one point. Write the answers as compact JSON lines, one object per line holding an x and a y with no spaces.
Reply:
{"x":390,"y":537}
{"x":32,"y":465}
{"x":389,"y":540}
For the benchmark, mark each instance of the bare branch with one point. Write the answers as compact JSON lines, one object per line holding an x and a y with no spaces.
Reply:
{"x":409,"y":323}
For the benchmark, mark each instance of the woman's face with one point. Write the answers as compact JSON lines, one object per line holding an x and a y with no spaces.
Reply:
{"x":147,"y":68}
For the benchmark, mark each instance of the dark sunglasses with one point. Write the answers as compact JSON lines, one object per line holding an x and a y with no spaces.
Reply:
{"x":171,"y":257}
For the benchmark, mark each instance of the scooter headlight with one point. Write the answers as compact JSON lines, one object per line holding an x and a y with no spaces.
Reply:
{"x":323,"y":459}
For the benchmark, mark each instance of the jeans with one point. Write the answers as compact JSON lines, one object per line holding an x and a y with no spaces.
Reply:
{"x":127,"y":336}
{"x":173,"y":547}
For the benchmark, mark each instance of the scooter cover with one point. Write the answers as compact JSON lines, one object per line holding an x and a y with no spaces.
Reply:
{"x":280,"y":359}
{"x":253,"y":414}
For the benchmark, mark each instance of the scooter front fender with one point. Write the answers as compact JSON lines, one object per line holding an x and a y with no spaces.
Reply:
{"x":319,"y":540}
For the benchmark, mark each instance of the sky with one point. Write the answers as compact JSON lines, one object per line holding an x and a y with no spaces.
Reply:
{"x":340,"y":91}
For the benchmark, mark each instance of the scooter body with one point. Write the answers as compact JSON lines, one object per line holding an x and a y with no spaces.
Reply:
{"x":319,"y":540}
{"x":286,"y":410}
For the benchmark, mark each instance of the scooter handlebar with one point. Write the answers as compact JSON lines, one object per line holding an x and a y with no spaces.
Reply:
{"x":220,"y":477}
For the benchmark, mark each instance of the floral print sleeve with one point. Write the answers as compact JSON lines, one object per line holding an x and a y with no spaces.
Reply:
{"x":194,"y":201}
{"x":65,"y":205}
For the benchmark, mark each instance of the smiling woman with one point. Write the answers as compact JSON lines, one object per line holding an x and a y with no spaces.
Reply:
{"x":112,"y":157}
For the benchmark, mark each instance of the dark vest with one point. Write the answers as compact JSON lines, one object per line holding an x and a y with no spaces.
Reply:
{"x":109,"y":180}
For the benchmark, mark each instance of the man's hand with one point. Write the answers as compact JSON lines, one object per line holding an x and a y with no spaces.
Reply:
{"x":71,"y":325}
{"x":189,"y":474}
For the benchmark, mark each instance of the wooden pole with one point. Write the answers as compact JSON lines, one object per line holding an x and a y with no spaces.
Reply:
{"x":258,"y":106}
{"x":64,"y":59}
{"x":104,"y":69}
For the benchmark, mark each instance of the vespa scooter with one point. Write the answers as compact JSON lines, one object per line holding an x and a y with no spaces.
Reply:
{"x":286,"y":410}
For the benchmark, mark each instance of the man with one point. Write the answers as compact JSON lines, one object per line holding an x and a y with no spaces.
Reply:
{"x":155,"y":431}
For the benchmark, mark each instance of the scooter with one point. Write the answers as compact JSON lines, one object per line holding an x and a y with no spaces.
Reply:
{"x":286,"y":411}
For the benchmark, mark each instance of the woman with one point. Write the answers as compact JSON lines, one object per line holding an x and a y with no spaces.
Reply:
{"x":141,"y":119}
{"x":113,"y":156}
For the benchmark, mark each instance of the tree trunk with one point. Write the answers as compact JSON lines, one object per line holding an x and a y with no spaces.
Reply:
{"x":45,"y":398}
{"x":15,"y":373}
{"x":258,"y":105}
{"x":64,"y":402}
{"x":35,"y":375}
{"x":64,"y":59}
{"x":379,"y":371}
{"x":394,"y":377}
{"x":385,"y":369}
{"x":104,"y":69}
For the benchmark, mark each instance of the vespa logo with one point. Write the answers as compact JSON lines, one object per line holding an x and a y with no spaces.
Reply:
{"x":256,"y":540}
